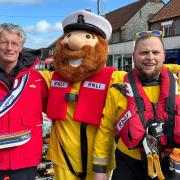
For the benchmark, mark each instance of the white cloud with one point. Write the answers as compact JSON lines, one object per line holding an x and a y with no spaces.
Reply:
{"x":43,"y":27}
{"x":21,"y":1}
{"x":36,"y":42}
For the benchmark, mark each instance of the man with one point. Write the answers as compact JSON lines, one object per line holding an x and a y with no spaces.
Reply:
{"x":22,"y":93}
{"x":140,"y":114}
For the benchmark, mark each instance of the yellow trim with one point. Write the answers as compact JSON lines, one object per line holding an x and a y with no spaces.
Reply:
{"x":12,"y":135}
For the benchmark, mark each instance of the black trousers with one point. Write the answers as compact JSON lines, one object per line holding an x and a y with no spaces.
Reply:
{"x":128,"y":168}
{"x":19,"y":174}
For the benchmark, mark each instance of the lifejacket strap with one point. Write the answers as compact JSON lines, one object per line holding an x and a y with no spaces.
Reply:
{"x":158,"y":167}
{"x":139,"y":101}
{"x":84,"y":148}
{"x":170,"y":103}
{"x":150,"y":165}
{"x":120,"y":88}
{"x":66,"y":156}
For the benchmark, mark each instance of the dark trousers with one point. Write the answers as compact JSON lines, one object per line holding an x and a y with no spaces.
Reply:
{"x":19,"y":174}
{"x":128,"y":168}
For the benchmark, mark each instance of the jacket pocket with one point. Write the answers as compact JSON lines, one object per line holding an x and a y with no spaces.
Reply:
{"x":32,"y":121}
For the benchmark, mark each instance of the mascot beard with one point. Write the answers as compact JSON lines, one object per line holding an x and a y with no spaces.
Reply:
{"x":93,"y":59}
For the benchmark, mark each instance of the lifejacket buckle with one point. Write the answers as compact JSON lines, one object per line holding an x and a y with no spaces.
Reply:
{"x":156,"y":129}
{"x":71,"y":97}
{"x":150,"y":144}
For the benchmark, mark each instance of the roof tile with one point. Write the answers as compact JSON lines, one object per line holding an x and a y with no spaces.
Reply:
{"x":170,"y":10}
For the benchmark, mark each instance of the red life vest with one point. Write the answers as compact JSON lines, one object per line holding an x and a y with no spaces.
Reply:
{"x":90,"y":101}
{"x":142,"y":114}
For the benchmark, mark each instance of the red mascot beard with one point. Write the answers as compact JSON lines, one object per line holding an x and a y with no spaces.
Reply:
{"x":94,"y":58}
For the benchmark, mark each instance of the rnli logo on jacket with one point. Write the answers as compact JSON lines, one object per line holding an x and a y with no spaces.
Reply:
{"x":123,"y":120}
{"x":59,"y":84}
{"x":94,"y":85}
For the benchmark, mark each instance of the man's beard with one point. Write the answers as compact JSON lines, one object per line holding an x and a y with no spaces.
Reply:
{"x":149,"y":76}
{"x":93,"y":59}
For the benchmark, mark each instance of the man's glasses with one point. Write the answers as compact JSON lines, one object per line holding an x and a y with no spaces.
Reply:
{"x":7,"y":43}
{"x":145,"y":34}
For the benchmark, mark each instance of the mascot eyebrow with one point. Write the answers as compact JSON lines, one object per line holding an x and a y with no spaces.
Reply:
{"x":89,"y":32}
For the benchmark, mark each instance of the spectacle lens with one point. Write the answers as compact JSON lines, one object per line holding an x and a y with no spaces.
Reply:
{"x":145,"y":34}
{"x":156,"y":33}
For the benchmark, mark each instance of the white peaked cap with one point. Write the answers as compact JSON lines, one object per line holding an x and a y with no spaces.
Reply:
{"x":87,"y":20}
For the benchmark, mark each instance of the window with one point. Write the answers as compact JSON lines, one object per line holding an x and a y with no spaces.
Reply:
{"x":109,"y":61}
{"x":115,"y":37}
{"x":167,"y":28}
{"x":118,"y":61}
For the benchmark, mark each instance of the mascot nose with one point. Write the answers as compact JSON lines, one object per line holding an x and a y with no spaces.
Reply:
{"x":75,"y":43}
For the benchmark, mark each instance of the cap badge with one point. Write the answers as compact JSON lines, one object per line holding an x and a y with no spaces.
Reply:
{"x":80,"y":19}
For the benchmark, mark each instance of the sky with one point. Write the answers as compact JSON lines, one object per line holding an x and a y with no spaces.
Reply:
{"x":42,"y":19}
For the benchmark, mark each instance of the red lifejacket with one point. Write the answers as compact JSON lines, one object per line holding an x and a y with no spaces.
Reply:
{"x":141,"y":113}
{"x":91,"y":97}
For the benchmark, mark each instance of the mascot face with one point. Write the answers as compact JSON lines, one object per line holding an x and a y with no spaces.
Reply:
{"x":79,"y":54}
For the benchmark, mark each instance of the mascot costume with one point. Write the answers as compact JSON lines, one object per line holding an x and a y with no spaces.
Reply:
{"x":77,"y":93}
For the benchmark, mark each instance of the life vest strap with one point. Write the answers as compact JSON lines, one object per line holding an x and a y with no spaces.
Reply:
{"x":120,"y":88}
{"x":139,"y":101}
{"x":158,"y":167}
{"x":66,"y":156}
{"x":170,"y":103}
{"x":154,"y":167}
{"x":84,"y":150}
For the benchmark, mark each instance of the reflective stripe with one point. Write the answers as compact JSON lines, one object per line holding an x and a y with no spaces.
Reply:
{"x":14,"y":139}
{"x":9,"y":100}
{"x":100,"y":160}
{"x":13,"y":135}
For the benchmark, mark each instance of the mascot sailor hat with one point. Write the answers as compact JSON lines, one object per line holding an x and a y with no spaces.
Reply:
{"x":85,"y":20}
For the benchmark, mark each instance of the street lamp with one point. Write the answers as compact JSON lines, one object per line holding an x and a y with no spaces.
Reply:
{"x":98,"y":1}
{"x":100,"y":7}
